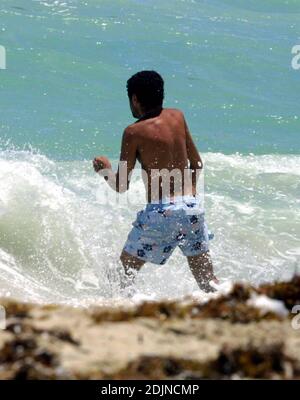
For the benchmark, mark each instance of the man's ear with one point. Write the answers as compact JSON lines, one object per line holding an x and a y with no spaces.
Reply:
{"x":134,"y":100}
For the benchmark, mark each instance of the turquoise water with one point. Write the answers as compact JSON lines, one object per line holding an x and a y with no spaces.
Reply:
{"x":226,"y":64}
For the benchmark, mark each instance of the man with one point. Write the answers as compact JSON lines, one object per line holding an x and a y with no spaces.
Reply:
{"x":160,"y":140}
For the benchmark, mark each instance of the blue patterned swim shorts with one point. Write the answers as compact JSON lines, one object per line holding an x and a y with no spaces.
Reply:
{"x":160,"y":228}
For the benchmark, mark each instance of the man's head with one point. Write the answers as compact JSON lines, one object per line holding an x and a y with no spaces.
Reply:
{"x":145,"y":91}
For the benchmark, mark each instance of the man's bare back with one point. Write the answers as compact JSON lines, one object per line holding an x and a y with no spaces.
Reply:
{"x":163,"y":142}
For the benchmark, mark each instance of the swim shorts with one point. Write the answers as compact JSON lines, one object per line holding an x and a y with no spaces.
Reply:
{"x":160,"y":228}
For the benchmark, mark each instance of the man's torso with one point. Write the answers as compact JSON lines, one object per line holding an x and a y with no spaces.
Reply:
{"x":161,"y":145}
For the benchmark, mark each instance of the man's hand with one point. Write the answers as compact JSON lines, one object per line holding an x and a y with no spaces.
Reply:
{"x":119,"y":181}
{"x":100,"y":163}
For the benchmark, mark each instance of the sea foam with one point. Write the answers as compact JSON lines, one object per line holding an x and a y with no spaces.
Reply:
{"x":58,"y":243}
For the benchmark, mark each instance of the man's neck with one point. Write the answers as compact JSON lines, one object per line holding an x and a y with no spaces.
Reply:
{"x":155,"y":112}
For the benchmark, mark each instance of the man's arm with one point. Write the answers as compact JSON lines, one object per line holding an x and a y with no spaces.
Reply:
{"x":119,"y":181}
{"x":193,"y":155}
{"x":127,"y":160}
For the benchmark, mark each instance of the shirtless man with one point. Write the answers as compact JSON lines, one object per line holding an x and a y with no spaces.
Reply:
{"x":160,"y":140}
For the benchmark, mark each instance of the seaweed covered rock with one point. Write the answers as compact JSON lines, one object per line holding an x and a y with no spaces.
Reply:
{"x":236,"y":335}
{"x":267,"y":362}
{"x":288,"y":292}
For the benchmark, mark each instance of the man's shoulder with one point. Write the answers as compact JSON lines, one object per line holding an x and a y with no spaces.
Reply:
{"x":130,"y":129}
{"x":130,"y":133}
{"x":175,"y":112}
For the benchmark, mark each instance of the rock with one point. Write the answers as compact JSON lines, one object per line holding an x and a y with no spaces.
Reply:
{"x":224,"y":338}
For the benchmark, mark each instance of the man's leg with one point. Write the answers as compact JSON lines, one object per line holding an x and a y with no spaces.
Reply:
{"x":202,"y":269}
{"x":131,"y":265}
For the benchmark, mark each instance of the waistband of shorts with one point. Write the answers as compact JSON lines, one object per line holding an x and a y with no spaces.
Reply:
{"x":176,"y":200}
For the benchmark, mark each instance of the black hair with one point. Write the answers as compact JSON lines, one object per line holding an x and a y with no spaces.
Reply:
{"x":148,"y":86}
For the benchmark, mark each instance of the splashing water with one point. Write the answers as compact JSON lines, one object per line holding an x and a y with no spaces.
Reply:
{"x":58,"y":244}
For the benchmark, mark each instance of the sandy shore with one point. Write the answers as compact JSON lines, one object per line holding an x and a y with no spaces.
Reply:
{"x":240,"y":335}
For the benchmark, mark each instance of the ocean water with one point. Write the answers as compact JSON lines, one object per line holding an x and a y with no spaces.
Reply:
{"x":226,"y":64}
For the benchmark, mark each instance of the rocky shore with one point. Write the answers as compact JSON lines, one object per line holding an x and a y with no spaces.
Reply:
{"x":247,"y":333}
